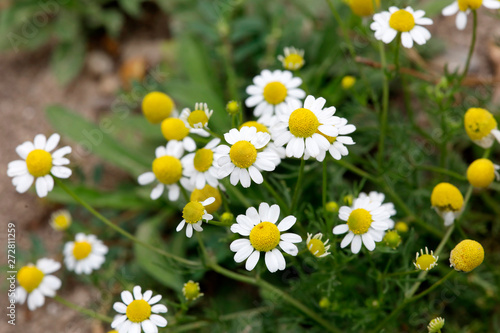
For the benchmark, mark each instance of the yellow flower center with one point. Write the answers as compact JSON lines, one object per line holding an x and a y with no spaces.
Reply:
{"x":174,"y":129}
{"x":157,"y":106}
{"x":348,"y":82}
{"x":481,"y":173}
{"x":258,"y":126}
{"x":29,"y":277}
{"x":243,"y":154}
{"x":275,"y":92}
{"x":167,"y":169}
{"x":479,"y":123}
{"x":303,"y":123}
{"x":39,"y":162}
{"x":363,"y":7}
{"x":316,"y":247}
{"x":205,"y":193}
{"x":81,"y":250}
{"x":265,"y":236}
{"x":138,"y":311}
{"x":447,"y":197}
{"x":402,"y":21}
{"x":359,"y":221}
{"x":203,"y":159}
{"x":467,"y":255}
{"x":197,"y":117}
{"x":61,"y":222}
{"x":293,"y":61}
{"x":191,"y":290}
{"x":193,"y":212}
{"x":463,"y":5}
{"x":425,"y":262}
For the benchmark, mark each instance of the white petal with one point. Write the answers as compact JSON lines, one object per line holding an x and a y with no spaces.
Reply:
{"x":347,"y":240}
{"x":159,"y":308}
{"x":61,"y":171}
{"x":243,"y":253}
{"x":368,"y":241}
{"x":149,"y":327}
{"x":24,"y":149}
{"x":252,"y":260}
{"x":406,"y":40}
{"x":274,"y":213}
{"x":41,"y":187}
{"x":289,"y":248}
{"x":280,"y":259}
{"x":461,"y":20}
{"x":450,"y":9}
{"x":146,"y":178}
{"x":238,"y":244}
{"x":127,"y":297}
{"x":287,"y":223}
{"x":271,"y":262}
{"x":356,"y":244}
{"x":340,"y":229}
{"x":158,"y":320}
{"x":291,"y":238}
{"x":120,"y":307}
{"x":137,"y":292}
{"x":40,"y":141}
{"x":52,"y":142}
{"x":23,"y":183}
{"x":157,"y":191}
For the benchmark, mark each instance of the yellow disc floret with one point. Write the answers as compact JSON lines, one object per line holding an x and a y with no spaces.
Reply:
{"x":303,"y":123}
{"x":203,"y":159}
{"x":39,"y":162}
{"x":205,"y":193}
{"x":275,"y":92}
{"x":232,"y":107}
{"x":316,"y":247}
{"x":191,"y":290}
{"x":193,"y":212}
{"x":363,"y":7}
{"x":157,"y":106}
{"x":265,"y":236}
{"x":138,"y":311}
{"x":348,"y":82}
{"x":425,"y":262}
{"x":60,"y":220}
{"x":467,"y":255}
{"x":479,"y":123}
{"x":167,"y":169}
{"x":359,"y":221}
{"x":293,"y":61}
{"x":481,"y":173}
{"x":197,"y":117}
{"x":243,"y":154}
{"x":30,"y":277}
{"x":332,"y":207}
{"x":402,"y":21}
{"x":401,"y":227}
{"x":447,"y":197}
{"x":463,"y":5}
{"x":81,"y":250}
{"x":174,"y":129}
{"x":258,"y":126}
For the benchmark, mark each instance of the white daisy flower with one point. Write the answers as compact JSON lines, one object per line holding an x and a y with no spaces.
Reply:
{"x":174,"y":129}
{"x":407,"y":22}
{"x":304,"y":129}
{"x":264,"y":236}
{"x":271,"y":146}
{"x":167,"y":170}
{"x":139,"y":313}
{"x":85,"y":254}
{"x":463,"y":8}
{"x":389,"y":206}
{"x":197,"y":119}
{"x":193,"y":215}
{"x":38,"y":163}
{"x":293,"y":58}
{"x":242,"y":160}
{"x":364,"y":220}
{"x":36,"y":283}
{"x":201,"y":167}
{"x":271,"y":92}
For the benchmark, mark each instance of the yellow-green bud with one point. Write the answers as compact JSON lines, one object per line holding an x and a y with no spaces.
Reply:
{"x":332,"y":207}
{"x":392,"y":239}
{"x":233,"y":107}
{"x":401,"y":227}
{"x":348,"y":199}
{"x":324,"y":303}
{"x":227,"y":217}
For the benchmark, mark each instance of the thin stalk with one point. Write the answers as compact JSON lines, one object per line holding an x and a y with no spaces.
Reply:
{"x":324,"y":187}
{"x":472,"y":45}
{"x":218,"y":223}
{"x":442,"y":171}
{"x":396,"y":53}
{"x":122,"y":231}
{"x":295,"y":197}
{"x":385,"y":107}
{"x":275,"y":194}
{"x":82,"y":310}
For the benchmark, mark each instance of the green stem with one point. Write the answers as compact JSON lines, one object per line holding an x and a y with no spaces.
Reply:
{"x":276,"y":196}
{"x":396,"y":53}
{"x":324,"y":187}
{"x":184,"y":193}
{"x":472,"y":45}
{"x":295,"y":197}
{"x":120,"y":230}
{"x":442,"y":171}
{"x":220,"y":224}
{"x":385,"y":106}
{"x":82,"y":310}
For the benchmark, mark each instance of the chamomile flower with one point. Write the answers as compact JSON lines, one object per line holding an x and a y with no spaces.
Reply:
{"x":201,"y":167}
{"x":406,"y":22}
{"x":435,"y":325}
{"x":191,"y":290}
{"x":305,"y":128}
{"x":197,"y":119}
{"x":293,"y":58}
{"x":467,"y":255}
{"x":156,"y":106}
{"x":166,"y":169}
{"x":380,"y":197}
{"x":206,"y":193}
{"x":36,"y":283}
{"x":272,"y":91}
{"x":448,"y":202}
{"x":482,"y":172}
{"x":463,"y":7}
{"x":174,"y":129}
{"x":365,"y":220}
{"x":193,"y":215}
{"x":337,"y":148}
{"x":139,"y":313}
{"x":481,"y":127}
{"x":264,"y":236}
{"x":39,"y":165}
{"x":363,"y":7}
{"x":242,"y":160}
{"x":85,"y":254}
{"x":316,"y":246}
{"x":60,"y":220}
{"x":271,"y":146}
{"x":425,"y":261}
